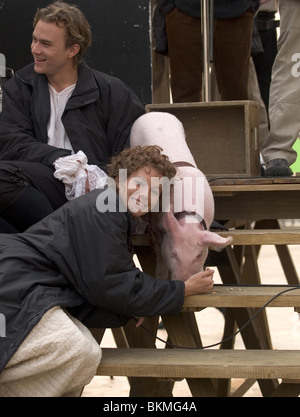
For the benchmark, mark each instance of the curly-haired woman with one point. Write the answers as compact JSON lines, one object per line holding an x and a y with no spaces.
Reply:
{"x":74,"y":270}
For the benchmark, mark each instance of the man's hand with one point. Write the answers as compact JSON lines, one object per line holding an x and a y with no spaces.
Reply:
{"x":200,"y":283}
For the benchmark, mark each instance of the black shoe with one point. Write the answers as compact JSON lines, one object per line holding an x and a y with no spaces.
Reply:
{"x":278,"y":168}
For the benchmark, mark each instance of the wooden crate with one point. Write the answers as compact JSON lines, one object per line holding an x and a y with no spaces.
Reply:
{"x":223,"y":136}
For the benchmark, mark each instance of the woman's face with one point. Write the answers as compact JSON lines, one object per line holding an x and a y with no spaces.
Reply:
{"x":142,"y":190}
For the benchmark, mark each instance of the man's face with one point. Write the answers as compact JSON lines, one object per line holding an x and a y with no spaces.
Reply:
{"x":51,"y":57}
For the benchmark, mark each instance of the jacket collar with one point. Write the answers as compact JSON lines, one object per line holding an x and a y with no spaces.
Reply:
{"x":86,"y":90}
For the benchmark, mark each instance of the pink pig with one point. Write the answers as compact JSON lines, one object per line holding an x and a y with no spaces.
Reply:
{"x":184,"y":236}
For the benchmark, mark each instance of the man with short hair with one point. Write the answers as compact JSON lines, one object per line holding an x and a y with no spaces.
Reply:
{"x":52,"y":108}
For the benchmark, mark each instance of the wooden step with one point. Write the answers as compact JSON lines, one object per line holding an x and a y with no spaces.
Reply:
{"x":246,"y":237}
{"x":197,"y":363}
{"x":263,"y":237}
{"x":243,"y":296}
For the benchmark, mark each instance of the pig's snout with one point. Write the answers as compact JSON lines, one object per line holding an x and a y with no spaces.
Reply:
{"x":186,"y":254}
{"x":181,"y":274}
{"x":184,"y":263}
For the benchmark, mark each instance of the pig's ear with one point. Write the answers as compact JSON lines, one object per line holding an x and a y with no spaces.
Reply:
{"x":214,"y":241}
{"x":170,"y":223}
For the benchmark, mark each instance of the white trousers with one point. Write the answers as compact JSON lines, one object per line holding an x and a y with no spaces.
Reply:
{"x":58,"y":358}
{"x":284,"y":105}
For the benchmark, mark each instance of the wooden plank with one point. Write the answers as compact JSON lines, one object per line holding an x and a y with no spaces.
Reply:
{"x":275,"y":180}
{"x":198,"y":363}
{"x":232,"y":185}
{"x":256,"y":205}
{"x":252,"y":188}
{"x":255,"y":181}
{"x":263,"y":236}
{"x":243,"y":296}
{"x":246,"y":237}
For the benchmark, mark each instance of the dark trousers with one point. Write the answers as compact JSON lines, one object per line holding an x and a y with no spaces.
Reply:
{"x":264,"y":63}
{"x":231,"y":55}
{"x":28,"y":193}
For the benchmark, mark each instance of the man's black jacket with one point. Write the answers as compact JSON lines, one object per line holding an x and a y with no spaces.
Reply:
{"x":98,"y":117}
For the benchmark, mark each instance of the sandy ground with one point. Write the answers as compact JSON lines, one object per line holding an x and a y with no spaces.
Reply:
{"x":284,"y":326}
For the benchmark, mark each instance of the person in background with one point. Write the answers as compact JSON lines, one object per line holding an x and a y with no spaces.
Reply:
{"x":74,"y":269}
{"x":55,"y":107}
{"x":232,"y":36}
{"x":284,"y":105}
{"x":266,"y":25}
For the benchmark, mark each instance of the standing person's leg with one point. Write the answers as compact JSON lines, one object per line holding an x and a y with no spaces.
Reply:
{"x":284,"y":104}
{"x":232,"y":50}
{"x":264,"y":61}
{"x":58,"y":358}
{"x":185,"y":53}
{"x":29,"y":192}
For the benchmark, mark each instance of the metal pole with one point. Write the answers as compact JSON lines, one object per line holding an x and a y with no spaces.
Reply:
{"x":205,"y":33}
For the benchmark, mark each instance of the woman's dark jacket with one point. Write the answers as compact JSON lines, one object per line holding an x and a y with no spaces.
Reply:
{"x":77,"y":258}
{"x":98,"y":117}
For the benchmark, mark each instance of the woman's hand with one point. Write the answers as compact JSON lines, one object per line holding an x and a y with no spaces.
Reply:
{"x":200,"y":283}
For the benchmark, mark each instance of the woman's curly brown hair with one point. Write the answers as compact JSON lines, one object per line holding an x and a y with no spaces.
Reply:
{"x":139,"y":157}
